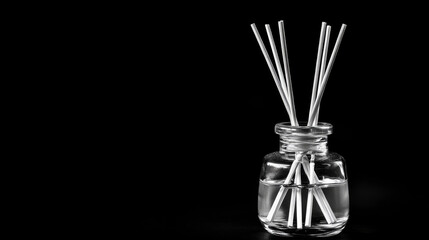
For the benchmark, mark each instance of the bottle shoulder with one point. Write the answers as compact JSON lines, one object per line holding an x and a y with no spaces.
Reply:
{"x":333,"y":156}
{"x":277,"y":156}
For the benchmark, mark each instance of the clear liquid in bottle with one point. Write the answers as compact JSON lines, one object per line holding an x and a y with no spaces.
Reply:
{"x":336,"y":193}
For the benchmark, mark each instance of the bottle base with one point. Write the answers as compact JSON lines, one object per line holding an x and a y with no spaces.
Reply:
{"x":321,"y":230}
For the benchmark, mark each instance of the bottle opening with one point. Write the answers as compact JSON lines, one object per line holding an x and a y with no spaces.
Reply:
{"x":322,"y":128}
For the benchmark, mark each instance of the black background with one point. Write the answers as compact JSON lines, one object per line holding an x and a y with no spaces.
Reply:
{"x":180,"y":107}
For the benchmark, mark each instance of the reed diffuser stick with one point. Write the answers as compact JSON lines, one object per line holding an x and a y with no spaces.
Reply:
{"x":309,"y":211}
{"x":287,"y":67}
{"x":298,"y":198}
{"x":318,"y":59}
{"x":277,"y":62}
{"x":291,"y":208}
{"x":323,"y":67}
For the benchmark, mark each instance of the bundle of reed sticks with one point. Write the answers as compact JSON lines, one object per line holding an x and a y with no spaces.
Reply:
{"x":282,"y":79}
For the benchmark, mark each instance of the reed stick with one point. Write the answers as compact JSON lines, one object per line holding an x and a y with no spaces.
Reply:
{"x":298,"y":198}
{"x":287,"y":67}
{"x":277,"y":62}
{"x":291,"y":208}
{"x":323,"y":67}
{"x":317,"y":69}
{"x":309,"y":211}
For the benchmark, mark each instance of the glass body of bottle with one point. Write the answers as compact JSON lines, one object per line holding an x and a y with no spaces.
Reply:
{"x":303,"y":189}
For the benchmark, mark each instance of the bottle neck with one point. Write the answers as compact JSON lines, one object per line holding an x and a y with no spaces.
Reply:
{"x":307,"y":144}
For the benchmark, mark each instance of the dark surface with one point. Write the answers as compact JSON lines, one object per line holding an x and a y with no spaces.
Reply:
{"x":182,"y":107}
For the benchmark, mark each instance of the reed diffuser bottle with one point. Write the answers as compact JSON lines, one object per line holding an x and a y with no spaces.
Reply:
{"x":303,"y":187}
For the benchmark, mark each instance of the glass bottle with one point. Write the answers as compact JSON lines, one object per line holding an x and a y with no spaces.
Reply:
{"x":289,"y":204}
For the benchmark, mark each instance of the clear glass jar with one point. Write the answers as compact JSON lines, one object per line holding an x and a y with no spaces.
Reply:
{"x":289,"y":204}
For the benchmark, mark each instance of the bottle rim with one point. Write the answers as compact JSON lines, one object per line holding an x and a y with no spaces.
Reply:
{"x":322,"y":128}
